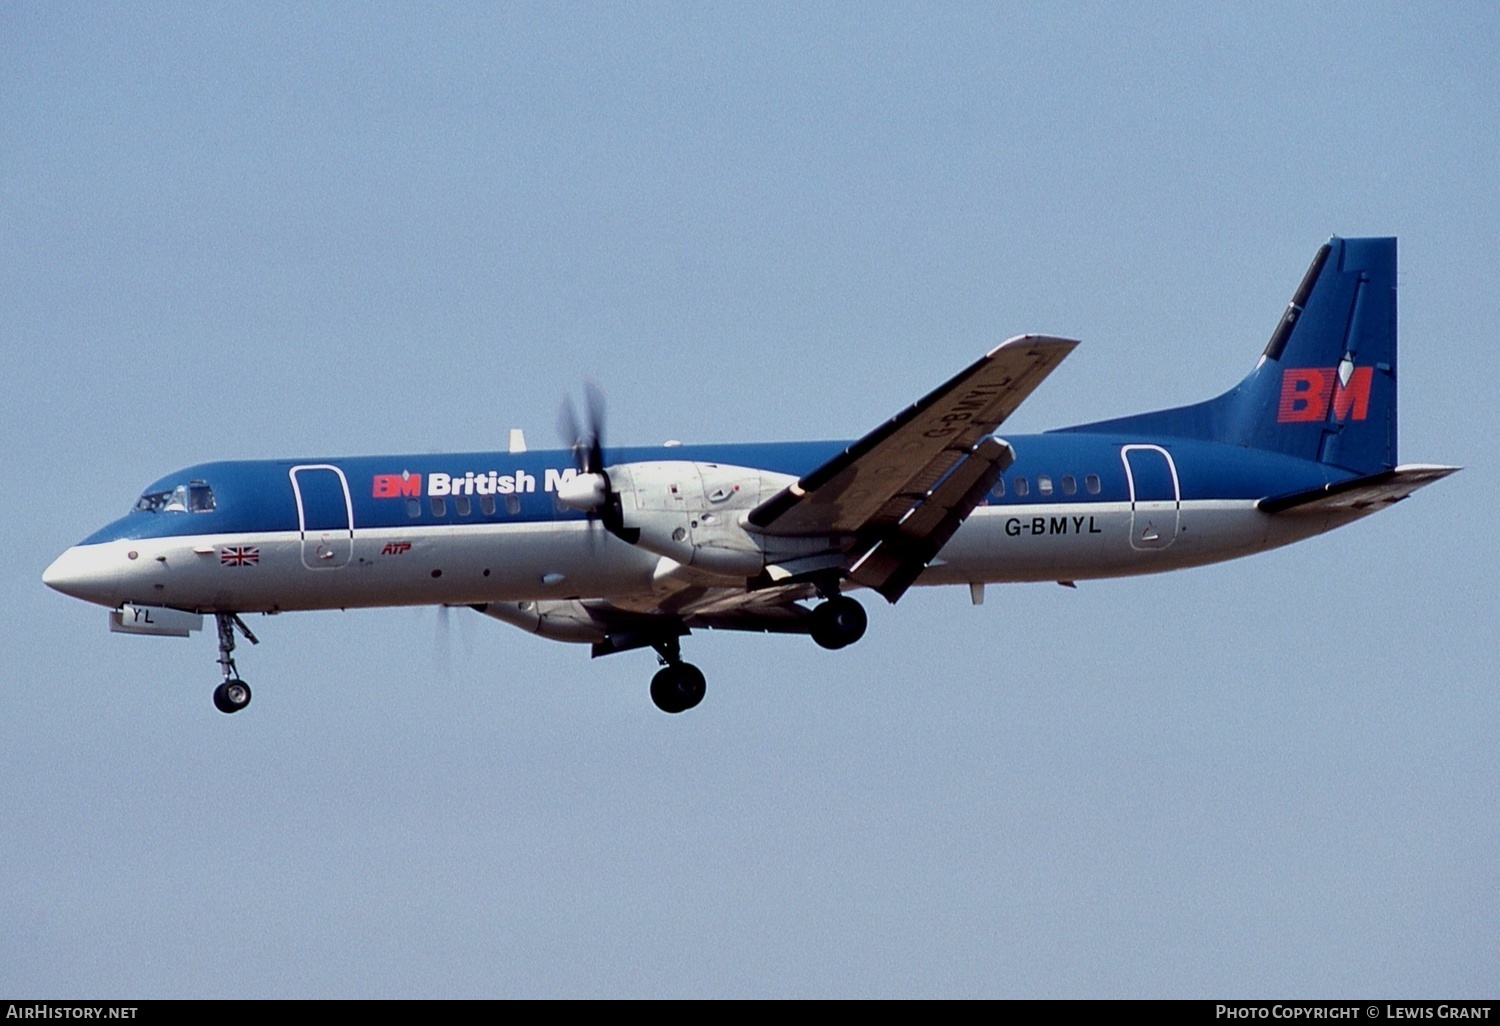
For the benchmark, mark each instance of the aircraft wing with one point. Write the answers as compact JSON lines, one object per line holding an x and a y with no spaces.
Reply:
{"x":1358,"y":494}
{"x":902,"y":490}
{"x":618,"y":626}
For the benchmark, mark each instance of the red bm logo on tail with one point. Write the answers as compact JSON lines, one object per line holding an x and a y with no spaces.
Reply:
{"x":1308,"y":393}
{"x":390,"y":486}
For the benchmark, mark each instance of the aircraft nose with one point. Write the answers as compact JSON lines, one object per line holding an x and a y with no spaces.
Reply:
{"x":88,"y":572}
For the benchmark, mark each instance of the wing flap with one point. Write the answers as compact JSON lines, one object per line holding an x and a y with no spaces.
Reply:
{"x":880,"y":477}
{"x":900,"y":552}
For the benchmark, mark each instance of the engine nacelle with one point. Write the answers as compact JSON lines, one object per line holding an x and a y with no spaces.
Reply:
{"x":560,"y":620}
{"x":693,"y":513}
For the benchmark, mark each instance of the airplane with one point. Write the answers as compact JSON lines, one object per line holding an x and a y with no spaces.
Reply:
{"x":637,"y":547}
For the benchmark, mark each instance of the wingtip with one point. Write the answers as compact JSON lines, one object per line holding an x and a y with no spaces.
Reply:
{"x":1433,"y":470}
{"x":1053,"y":342}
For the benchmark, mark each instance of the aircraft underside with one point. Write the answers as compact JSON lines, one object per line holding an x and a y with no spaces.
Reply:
{"x":575,"y":582}
{"x":574,"y":560}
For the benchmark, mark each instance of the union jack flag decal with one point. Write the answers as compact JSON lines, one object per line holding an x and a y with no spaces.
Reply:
{"x":240,"y":555}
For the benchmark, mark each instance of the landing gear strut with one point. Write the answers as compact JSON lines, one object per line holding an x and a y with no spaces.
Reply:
{"x":233,"y":694}
{"x":839,"y":622}
{"x":677,"y":686}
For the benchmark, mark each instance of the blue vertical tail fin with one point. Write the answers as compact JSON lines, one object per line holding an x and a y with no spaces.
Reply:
{"x":1325,"y":387}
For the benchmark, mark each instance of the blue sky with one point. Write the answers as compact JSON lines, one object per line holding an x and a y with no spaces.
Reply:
{"x":238,"y":231}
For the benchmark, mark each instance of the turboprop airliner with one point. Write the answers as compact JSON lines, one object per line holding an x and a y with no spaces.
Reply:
{"x":636,"y":548}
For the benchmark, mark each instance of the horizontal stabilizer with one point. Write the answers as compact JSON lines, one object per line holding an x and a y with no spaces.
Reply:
{"x":1359,"y":494}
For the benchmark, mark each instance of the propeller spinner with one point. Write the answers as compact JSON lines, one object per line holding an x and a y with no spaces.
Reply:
{"x":590,"y":489}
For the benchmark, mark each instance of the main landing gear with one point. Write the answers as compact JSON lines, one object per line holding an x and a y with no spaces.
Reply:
{"x":233,"y":694}
{"x":677,"y":686}
{"x":839,"y":622}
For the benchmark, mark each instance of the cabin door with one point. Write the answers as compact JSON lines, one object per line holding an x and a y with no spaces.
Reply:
{"x":1155,"y":496}
{"x":325,"y":515}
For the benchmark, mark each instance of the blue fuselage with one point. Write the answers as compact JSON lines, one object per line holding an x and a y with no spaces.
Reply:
{"x":486,"y":526}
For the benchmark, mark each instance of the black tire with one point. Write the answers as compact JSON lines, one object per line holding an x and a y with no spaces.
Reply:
{"x":677,"y":688}
{"x":231,"y":696}
{"x":839,"y":622}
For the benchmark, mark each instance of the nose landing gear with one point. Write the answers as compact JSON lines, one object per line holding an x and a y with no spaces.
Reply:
{"x":233,"y":694}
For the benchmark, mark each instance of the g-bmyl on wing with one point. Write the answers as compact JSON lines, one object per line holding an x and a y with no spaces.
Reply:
{"x":899,"y":493}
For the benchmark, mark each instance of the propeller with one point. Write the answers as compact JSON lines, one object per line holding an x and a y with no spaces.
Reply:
{"x":442,"y":646}
{"x":442,"y":641}
{"x":590,"y":489}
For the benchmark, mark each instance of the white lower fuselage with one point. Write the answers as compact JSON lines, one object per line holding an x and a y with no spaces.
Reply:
{"x":485,"y":563}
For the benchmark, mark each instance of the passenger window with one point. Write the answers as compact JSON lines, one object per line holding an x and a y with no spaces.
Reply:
{"x":1021,"y":487}
{"x":999,"y":490}
{"x":439,"y":507}
{"x":487,"y":505}
{"x":461,"y":504}
{"x":1091,"y":482}
{"x":413,"y":507}
{"x":1044,"y":484}
{"x":1069,"y":484}
{"x":512,"y":504}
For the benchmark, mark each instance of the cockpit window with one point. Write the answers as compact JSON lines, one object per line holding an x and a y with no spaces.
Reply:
{"x":200,"y":497}
{"x":152,"y":502}
{"x":193,"y":497}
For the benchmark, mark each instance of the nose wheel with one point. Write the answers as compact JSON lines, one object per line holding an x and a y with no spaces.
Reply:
{"x":233,"y":694}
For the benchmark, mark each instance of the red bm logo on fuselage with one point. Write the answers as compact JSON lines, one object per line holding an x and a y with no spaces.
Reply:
{"x":391,"y":486}
{"x":1309,"y":393}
